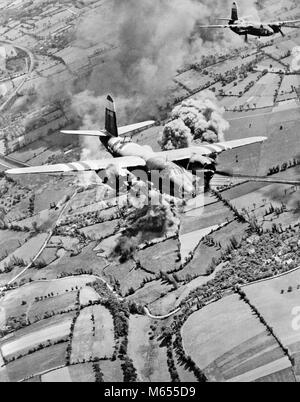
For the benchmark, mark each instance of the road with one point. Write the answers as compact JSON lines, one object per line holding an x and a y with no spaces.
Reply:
{"x":44,"y":245}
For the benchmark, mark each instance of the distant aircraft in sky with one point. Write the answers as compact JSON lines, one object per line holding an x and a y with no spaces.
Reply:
{"x":174,"y":164}
{"x":244,"y":27}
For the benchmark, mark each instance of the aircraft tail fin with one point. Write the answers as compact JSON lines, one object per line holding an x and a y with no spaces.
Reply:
{"x":111,"y":118}
{"x":234,"y":12}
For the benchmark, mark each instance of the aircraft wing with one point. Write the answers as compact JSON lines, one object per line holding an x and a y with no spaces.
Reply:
{"x":135,"y":127}
{"x":209,"y":149}
{"x":283,"y":23}
{"x":82,"y":166}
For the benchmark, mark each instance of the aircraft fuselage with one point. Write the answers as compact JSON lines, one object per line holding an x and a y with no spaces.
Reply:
{"x":177,"y":175}
{"x":259,"y":30}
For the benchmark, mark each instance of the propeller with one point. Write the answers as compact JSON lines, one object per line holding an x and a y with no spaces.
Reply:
{"x":282,"y":34}
{"x":246,"y":38}
{"x":260,"y":179}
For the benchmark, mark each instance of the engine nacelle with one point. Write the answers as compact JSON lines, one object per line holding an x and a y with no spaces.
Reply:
{"x":202,"y":160}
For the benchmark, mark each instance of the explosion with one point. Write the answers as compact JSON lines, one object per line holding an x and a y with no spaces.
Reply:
{"x":145,"y":223}
{"x":200,"y":119}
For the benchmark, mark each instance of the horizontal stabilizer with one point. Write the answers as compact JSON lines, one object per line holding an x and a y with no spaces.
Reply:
{"x":90,"y":133}
{"x":136,"y":127}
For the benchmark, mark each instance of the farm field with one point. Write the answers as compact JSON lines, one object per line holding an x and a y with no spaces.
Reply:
{"x":60,"y":375}
{"x":93,"y":335}
{"x":173,"y":299}
{"x":53,"y":304}
{"x":48,"y":256}
{"x":12,"y":303}
{"x":192,"y":79}
{"x":112,"y":371}
{"x":127,"y":276}
{"x":24,"y":343}
{"x":10,"y":241}
{"x":237,"y":90}
{"x":278,"y":308}
{"x":82,"y":373}
{"x":88,"y":294}
{"x":237,"y":346}
{"x":26,"y":252}
{"x":151,"y":292}
{"x":149,"y":357}
{"x":189,"y":241}
{"x":210,"y":215}
{"x":44,"y":360}
{"x":86,"y":261}
{"x":100,"y":230}
{"x":204,"y":254}
{"x":161,"y":257}
{"x":44,"y":220}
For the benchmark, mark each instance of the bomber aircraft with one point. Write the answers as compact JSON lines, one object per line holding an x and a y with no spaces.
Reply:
{"x":174,"y":165}
{"x":245,"y":27}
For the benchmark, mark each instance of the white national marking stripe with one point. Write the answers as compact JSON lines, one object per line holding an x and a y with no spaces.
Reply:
{"x":78,"y":166}
{"x":215,"y":148}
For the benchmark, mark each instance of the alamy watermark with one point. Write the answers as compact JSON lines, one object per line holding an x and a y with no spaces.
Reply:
{"x":140,"y":188}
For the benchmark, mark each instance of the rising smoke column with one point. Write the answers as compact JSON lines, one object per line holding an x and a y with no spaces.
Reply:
{"x":152,"y":40}
{"x":200,"y":119}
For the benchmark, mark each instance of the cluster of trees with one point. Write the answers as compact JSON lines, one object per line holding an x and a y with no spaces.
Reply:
{"x":240,"y":217}
{"x":72,"y":329}
{"x":14,"y":324}
{"x":15,"y":228}
{"x":80,"y":221}
{"x":11,"y":193}
{"x":31,"y":205}
{"x":285,"y":166}
{"x":275,"y":210}
{"x":187,"y":360}
{"x":261,"y":318}
{"x":244,"y":267}
{"x":129,"y":371}
{"x":120,"y":311}
{"x":13,"y":263}
{"x":98,"y":373}
{"x":168,"y":341}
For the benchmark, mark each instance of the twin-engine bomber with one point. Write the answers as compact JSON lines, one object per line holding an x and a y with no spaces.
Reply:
{"x":244,"y":27}
{"x":131,"y":156}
